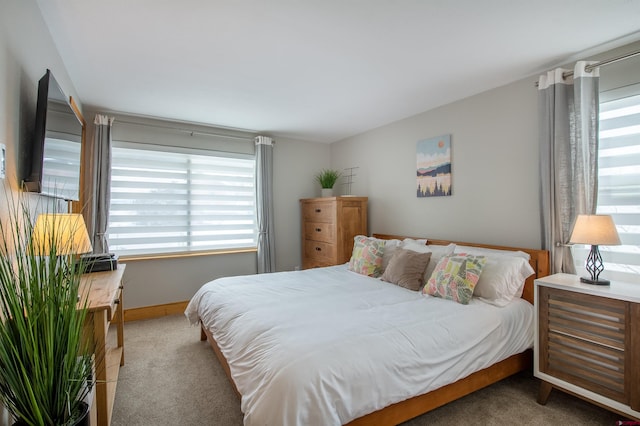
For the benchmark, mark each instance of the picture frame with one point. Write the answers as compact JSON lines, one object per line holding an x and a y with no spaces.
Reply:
{"x":433,"y":167}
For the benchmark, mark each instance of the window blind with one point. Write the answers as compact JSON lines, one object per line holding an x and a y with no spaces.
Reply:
{"x":180,"y":201}
{"x":619,"y":185}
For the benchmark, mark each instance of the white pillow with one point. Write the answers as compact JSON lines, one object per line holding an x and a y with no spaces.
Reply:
{"x":390,"y":247}
{"x":502,"y":279}
{"x":437,"y":252}
{"x":482,"y":251}
{"x":414,"y":245}
{"x":421,"y":242}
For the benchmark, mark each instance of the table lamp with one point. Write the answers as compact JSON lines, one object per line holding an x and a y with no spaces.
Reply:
{"x":595,"y":230}
{"x":61,"y":234}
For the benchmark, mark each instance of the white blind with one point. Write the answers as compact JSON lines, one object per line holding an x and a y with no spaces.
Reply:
{"x":619,"y":185}
{"x":180,"y":201}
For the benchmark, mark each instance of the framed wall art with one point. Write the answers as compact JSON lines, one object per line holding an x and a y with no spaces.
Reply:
{"x":433,"y":172}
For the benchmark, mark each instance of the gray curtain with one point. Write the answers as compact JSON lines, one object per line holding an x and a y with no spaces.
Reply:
{"x":98,"y":183}
{"x":264,"y":191}
{"x":568,"y":112}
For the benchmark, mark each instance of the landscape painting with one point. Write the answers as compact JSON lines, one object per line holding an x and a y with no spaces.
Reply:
{"x":434,"y":167}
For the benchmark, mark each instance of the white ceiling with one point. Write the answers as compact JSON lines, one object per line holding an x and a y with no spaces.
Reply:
{"x":317,"y":70}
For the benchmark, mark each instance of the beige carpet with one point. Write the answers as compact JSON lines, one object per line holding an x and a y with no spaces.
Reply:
{"x":170,"y":377}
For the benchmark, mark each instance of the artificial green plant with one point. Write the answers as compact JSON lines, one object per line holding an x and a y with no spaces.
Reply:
{"x":327,"y":178}
{"x":45,"y":359}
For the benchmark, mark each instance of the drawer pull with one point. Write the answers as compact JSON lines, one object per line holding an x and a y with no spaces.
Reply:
{"x":318,"y":210}
{"x":318,"y":249}
{"x":116,"y":301}
{"x":318,"y":229}
{"x":121,"y":287}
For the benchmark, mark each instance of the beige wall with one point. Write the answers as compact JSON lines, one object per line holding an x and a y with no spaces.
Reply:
{"x":494,"y":170}
{"x":494,"y":138}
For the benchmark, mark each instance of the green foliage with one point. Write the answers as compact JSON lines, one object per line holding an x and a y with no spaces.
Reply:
{"x":327,"y":178}
{"x":45,"y":363}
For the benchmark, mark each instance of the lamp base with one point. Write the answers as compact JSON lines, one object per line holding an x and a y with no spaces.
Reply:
{"x":594,"y":282}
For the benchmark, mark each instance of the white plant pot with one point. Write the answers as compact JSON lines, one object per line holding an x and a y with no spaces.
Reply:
{"x":327,"y":192}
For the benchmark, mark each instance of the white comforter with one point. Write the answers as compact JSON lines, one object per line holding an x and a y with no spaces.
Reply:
{"x":325,"y":346}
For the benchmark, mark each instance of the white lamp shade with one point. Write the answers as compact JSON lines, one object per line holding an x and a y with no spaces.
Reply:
{"x":67,"y":231}
{"x":595,"y":230}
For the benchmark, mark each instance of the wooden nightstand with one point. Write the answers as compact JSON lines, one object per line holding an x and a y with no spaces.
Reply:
{"x":587,"y":342}
{"x":105,"y":310}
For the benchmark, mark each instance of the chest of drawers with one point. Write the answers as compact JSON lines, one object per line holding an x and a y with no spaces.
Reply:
{"x":328,"y":227}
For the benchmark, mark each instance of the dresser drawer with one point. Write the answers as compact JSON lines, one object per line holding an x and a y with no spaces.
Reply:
{"x":319,"y":212}
{"x":321,"y":251}
{"x":315,"y":263}
{"x":318,"y":231}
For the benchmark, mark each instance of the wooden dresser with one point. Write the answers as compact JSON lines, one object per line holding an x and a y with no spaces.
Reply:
{"x":588,"y":341}
{"x":328,"y":227}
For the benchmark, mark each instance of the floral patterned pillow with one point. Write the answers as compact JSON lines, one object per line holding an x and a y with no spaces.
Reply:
{"x":366,"y":258}
{"x":455,"y":277}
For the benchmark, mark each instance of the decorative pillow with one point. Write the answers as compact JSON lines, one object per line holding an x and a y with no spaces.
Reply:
{"x":366,"y":258}
{"x":406,"y":269}
{"x":502,"y":279}
{"x":436,"y":254}
{"x":455,"y":277}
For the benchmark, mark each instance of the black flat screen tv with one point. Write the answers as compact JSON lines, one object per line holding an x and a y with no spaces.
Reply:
{"x":54,"y":154}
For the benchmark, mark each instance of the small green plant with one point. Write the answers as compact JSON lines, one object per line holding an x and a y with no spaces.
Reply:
{"x":45,"y":358}
{"x":327,"y":178}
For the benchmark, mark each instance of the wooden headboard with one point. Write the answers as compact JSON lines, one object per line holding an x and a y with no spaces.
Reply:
{"x":539,"y":259}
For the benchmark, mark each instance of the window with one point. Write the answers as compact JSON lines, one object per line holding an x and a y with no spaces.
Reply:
{"x":619,"y":182}
{"x":180,"y":201}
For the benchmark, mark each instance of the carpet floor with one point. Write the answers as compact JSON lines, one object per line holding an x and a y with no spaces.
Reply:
{"x":170,"y":377}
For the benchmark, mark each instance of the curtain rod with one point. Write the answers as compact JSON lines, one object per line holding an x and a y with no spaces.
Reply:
{"x":590,"y":68}
{"x":190,"y":132}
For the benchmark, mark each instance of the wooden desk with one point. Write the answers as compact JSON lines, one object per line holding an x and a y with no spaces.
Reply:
{"x":104,"y":297}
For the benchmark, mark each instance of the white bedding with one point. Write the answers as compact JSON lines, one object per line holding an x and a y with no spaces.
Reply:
{"x":326,"y":346}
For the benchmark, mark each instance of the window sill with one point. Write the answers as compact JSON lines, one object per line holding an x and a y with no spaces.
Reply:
{"x":156,"y":256}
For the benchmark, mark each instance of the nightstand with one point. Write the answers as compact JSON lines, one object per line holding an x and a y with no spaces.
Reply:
{"x":587,"y":342}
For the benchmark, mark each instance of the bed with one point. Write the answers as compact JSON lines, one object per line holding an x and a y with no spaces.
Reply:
{"x":370,"y":354}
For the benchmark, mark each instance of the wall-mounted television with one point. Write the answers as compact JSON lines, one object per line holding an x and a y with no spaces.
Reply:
{"x":54,"y":154}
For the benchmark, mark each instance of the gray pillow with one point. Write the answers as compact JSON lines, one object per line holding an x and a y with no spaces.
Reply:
{"x":406,"y":269}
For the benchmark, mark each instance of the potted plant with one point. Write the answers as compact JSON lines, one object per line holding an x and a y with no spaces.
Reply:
{"x":45,"y":358}
{"x":327,"y":178}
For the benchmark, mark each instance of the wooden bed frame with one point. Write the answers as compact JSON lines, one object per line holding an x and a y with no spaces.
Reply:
{"x":405,"y":410}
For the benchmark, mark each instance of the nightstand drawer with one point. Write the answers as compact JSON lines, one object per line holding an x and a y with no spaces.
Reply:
{"x":315,"y":263}
{"x":317,"y":231}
